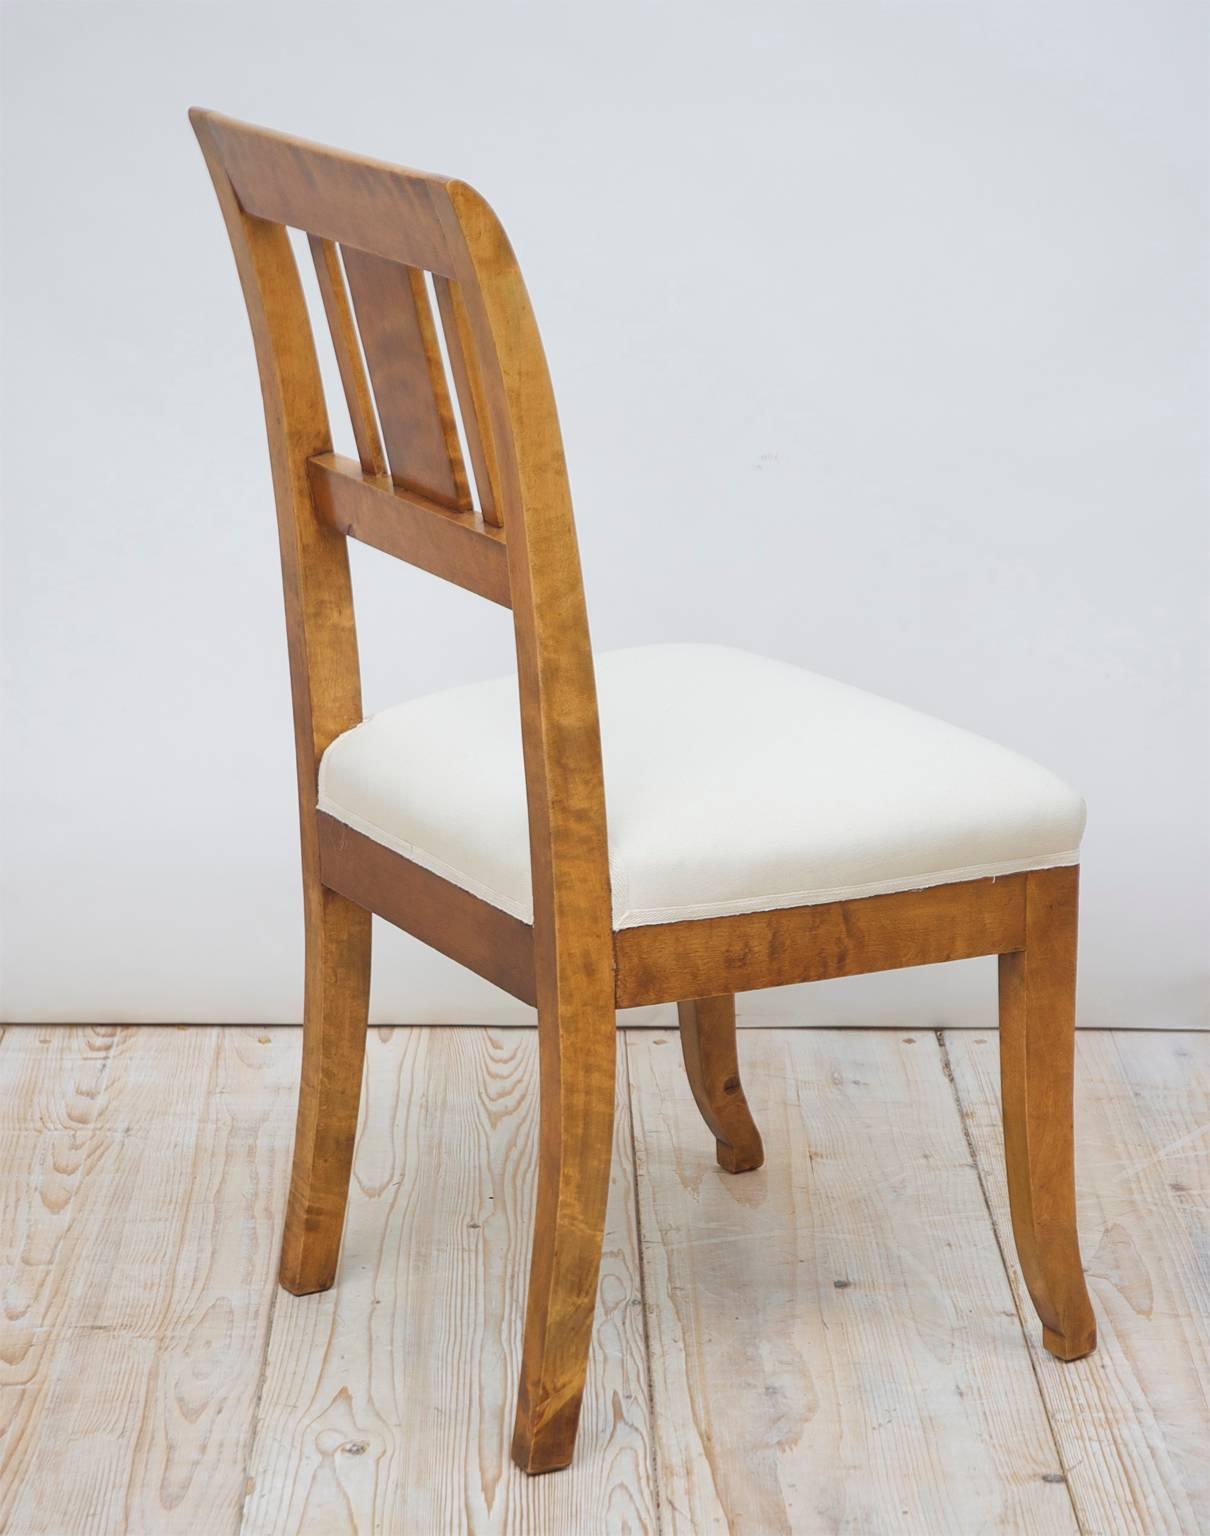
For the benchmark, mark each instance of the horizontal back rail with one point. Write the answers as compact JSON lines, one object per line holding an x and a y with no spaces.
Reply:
{"x":379,"y":208}
{"x":457,"y":546}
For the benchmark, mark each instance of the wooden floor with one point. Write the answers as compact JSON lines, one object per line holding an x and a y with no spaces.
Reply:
{"x":839,"y":1342}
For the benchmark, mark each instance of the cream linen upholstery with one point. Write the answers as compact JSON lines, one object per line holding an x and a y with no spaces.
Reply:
{"x":732,"y":783}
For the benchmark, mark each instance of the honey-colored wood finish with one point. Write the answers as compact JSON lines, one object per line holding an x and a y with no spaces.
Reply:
{"x":1037,"y":1067}
{"x":348,"y":199}
{"x":326,"y":687}
{"x":469,"y":385}
{"x":519,"y":548}
{"x":335,"y":1014}
{"x":707,"y":1030}
{"x":457,"y":546}
{"x":573,"y":940}
{"x":488,"y":941}
{"x":347,"y":346}
{"x":408,"y":378}
{"x":669,"y":961}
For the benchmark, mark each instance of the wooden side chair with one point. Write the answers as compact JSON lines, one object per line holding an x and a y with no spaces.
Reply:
{"x":765,"y":825}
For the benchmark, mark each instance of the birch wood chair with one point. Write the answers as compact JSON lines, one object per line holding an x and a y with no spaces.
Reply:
{"x":766,"y":826}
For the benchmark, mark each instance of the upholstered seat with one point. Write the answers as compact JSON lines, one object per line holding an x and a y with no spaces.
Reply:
{"x":733,"y":783}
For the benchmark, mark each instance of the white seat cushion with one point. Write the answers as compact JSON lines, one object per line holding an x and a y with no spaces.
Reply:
{"x":732,"y":783}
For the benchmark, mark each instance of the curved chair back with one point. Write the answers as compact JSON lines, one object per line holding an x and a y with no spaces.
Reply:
{"x":375,"y":231}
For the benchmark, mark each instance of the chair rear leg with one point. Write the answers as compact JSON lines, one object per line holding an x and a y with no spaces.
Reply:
{"x":1037,"y":1067}
{"x":712,"y":1062}
{"x":336,"y":1009}
{"x":578,"y":1070}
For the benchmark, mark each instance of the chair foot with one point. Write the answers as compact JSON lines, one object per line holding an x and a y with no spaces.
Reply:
{"x":712,"y":1063}
{"x":550,"y":1451}
{"x":1070,"y":1348}
{"x":578,"y":1070}
{"x":336,"y":1009}
{"x":1037,"y":1071}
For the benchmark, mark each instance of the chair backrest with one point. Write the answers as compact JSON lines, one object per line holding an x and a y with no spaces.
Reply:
{"x":374,"y":231}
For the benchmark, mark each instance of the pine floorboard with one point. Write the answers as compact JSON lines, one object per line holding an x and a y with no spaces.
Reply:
{"x":838,"y":1342}
{"x":1133,"y":1423}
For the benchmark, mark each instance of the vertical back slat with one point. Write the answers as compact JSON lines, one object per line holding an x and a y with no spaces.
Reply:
{"x":468,"y":383}
{"x":348,"y":354}
{"x":399,"y":339}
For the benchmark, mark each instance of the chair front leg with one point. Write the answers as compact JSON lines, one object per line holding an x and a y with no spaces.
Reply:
{"x":712,"y":1064}
{"x":335,"y":1012}
{"x":578,"y":1066}
{"x":1037,"y":1068}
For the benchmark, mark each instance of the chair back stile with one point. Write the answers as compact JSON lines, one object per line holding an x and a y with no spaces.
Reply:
{"x":374,"y":232}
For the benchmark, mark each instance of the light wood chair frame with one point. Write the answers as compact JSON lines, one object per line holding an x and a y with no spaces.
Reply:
{"x":519,"y":549}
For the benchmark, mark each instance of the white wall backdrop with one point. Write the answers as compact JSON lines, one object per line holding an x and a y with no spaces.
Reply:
{"x":880,"y":335}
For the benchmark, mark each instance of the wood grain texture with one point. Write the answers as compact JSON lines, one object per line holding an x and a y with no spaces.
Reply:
{"x":486,"y":940}
{"x":336,"y":1007}
{"x":569,"y":856}
{"x":143,"y":1172}
{"x":459,"y":547}
{"x":1037,"y":1048}
{"x":712,"y":956}
{"x":384,"y":209}
{"x":1133,"y":1420}
{"x":830,"y":1346}
{"x":407,"y":376}
{"x":387,"y":1403}
{"x":833,"y":1342}
{"x":325,"y":677}
{"x":708,"y":1045}
{"x":468,"y":382}
{"x":346,"y":344}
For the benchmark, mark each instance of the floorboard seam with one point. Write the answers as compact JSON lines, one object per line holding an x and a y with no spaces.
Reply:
{"x":1022,"y":1322}
{"x":262,"y":1380}
{"x":254,"y":1437}
{"x":638,"y":1236}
